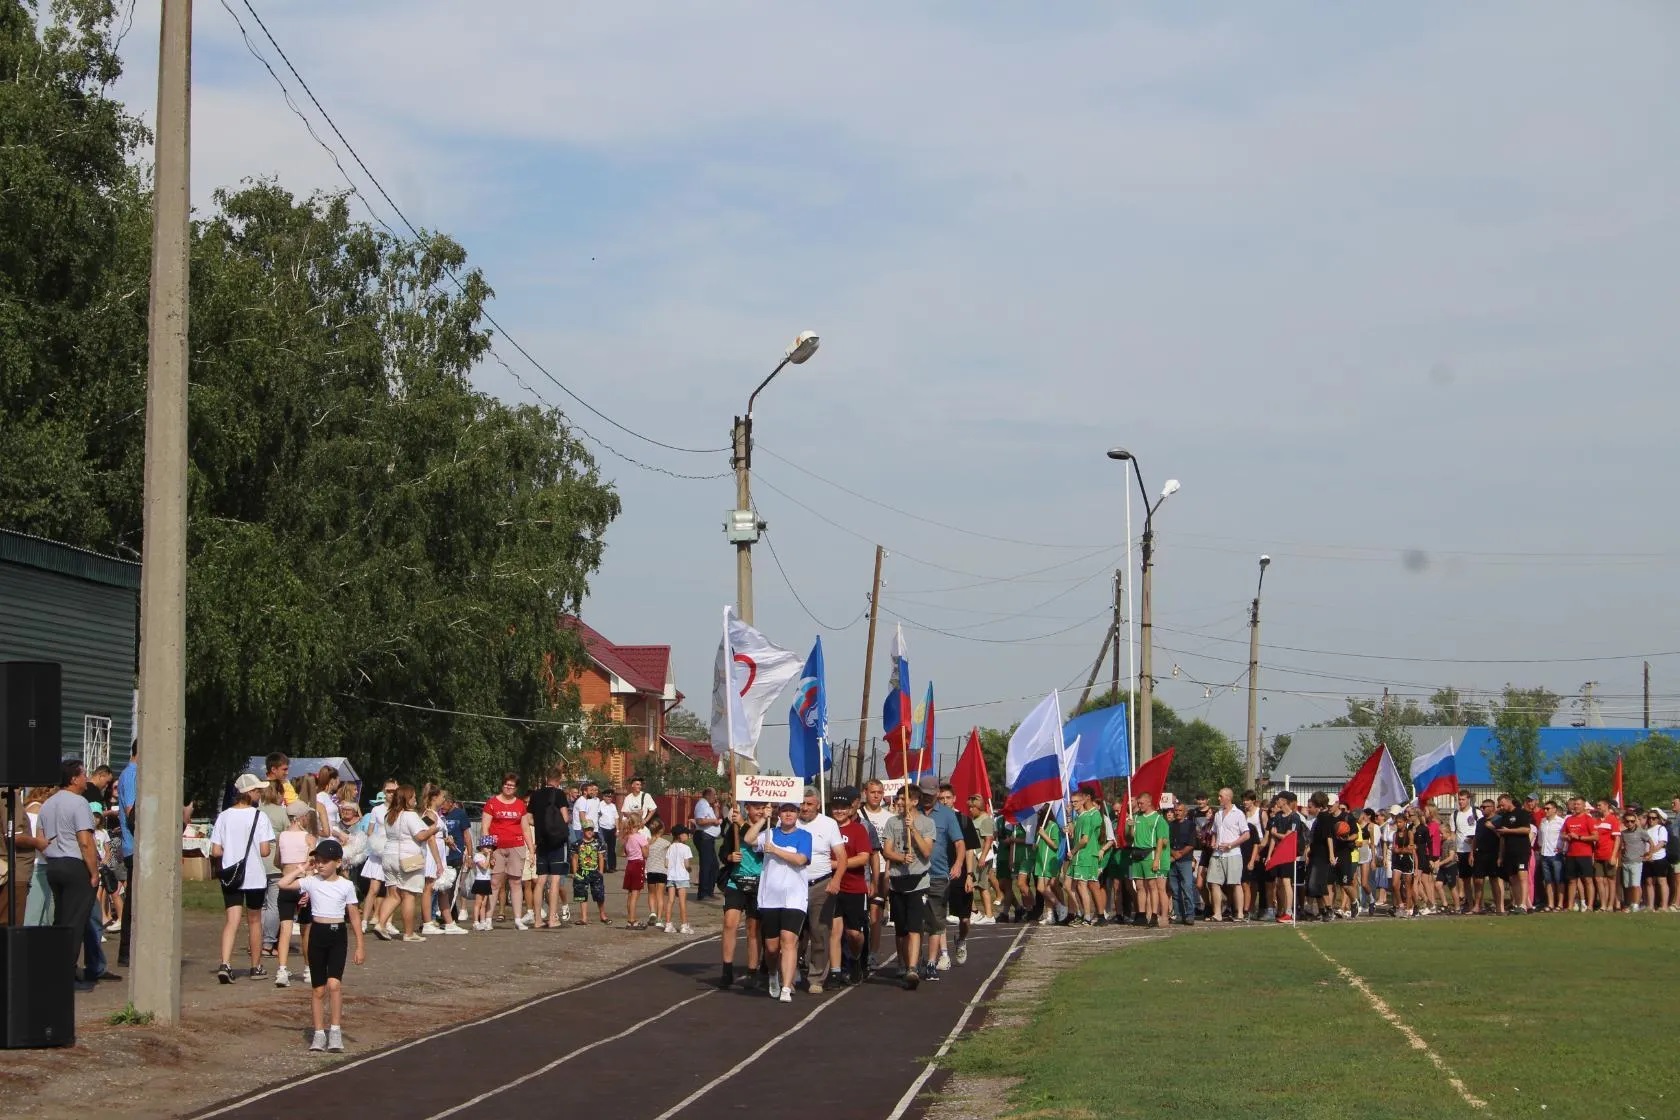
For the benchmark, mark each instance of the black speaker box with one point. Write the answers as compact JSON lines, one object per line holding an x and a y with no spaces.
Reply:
{"x":31,"y":697}
{"x":37,"y":986}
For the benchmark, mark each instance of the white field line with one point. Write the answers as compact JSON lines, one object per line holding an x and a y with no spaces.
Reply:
{"x":909,"y":1096}
{"x":1381,"y":1007}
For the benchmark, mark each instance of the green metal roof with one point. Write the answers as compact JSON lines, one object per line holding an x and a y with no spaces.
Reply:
{"x":67,"y":560}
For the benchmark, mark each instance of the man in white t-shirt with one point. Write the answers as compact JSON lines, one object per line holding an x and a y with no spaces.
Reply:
{"x":708,"y":827}
{"x":876,"y":813}
{"x":639,"y":802}
{"x":586,"y":808}
{"x":1225,"y":863}
{"x":828,"y":853}
{"x":606,"y":827}
{"x":1464,"y":835}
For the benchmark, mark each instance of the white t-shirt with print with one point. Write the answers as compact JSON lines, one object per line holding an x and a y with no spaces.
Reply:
{"x":677,"y":857}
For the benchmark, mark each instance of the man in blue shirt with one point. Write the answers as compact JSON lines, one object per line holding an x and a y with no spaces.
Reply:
{"x":128,"y":788}
{"x":949,"y":852}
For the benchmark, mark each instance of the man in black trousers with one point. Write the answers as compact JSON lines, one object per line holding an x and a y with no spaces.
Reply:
{"x":72,"y":864}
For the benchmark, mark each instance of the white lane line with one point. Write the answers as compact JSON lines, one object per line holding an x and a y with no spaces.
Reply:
{"x":564,"y":1058}
{"x":909,"y":1096}
{"x":757,"y":1054}
{"x":333,"y":1071}
{"x":1380,"y":1006}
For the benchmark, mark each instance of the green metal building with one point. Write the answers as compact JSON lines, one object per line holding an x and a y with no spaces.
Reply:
{"x":82,"y":610}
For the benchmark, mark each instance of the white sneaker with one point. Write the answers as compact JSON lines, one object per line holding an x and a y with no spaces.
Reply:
{"x":114,"y":927}
{"x":1048,"y":918}
{"x":317,"y":1042}
{"x":686,"y":928}
{"x":565,"y":915}
{"x":306,"y":975}
{"x":951,"y":919}
{"x":786,"y":996}
{"x":522,"y":923}
{"x":944,"y":961}
{"x":392,"y":931}
{"x":335,"y":1040}
{"x":282,"y":977}
{"x":775,"y":985}
{"x":962,"y":952}
{"x":431,"y":929}
{"x":669,"y":928}
{"x":452,"y":928}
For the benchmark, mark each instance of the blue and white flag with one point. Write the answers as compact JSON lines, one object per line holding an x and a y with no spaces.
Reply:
{"x":1104,"y":748}
{"x":809,"y":751}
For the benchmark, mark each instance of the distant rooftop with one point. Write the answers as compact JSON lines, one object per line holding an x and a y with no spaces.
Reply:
{"x":1316,"y":755}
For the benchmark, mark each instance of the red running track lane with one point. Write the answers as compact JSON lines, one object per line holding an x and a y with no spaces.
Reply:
{"x":660,"y":1041}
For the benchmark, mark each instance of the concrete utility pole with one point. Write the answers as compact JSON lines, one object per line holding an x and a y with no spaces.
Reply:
{"x":869,"y":663}
{"x":1146,"y":682}
{"x":155,"y":972}
{"x":1251,"y":770}
{"x":743,"y":526}
{"x":1647,"y":696}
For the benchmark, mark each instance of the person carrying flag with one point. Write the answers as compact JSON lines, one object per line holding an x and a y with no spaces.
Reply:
{"x":1047,"y":869}
{"x":1087,"y":850}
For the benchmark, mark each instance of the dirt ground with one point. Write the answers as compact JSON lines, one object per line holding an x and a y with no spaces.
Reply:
{"x":248,"y":1034}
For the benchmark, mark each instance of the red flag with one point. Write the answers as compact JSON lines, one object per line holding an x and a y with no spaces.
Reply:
{"x":970,"y":777}
{"x":1377,"y":783}
{"x":1616,"y":785}
{"x":1284,"y":854}
{"x":1151,"y":777}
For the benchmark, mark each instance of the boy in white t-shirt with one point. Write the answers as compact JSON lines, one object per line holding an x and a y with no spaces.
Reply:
{"x":334,"y":917}
{"x":481,"y":884}
{"x":677,"y":858}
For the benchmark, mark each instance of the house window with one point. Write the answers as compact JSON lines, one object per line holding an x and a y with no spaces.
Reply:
{"x":96,"y":741}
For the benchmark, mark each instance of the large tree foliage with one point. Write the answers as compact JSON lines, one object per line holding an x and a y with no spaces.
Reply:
{"x":1515,"y":762}
{"x":373,"y":544}
{"x":1650,"y":770}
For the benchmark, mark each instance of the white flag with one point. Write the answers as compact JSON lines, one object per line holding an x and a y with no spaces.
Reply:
{"x":758,"y":672}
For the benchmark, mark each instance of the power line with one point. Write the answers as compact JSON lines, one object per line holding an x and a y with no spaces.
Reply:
{"x":413,"y":230}
{"x":798,"y":599}
{"x":1101,"y":616}
{"x":1436,"y":660}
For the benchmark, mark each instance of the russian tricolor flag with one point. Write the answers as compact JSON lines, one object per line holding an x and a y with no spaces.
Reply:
{"x":1436,"y":774}
{"x":1035,"y":767}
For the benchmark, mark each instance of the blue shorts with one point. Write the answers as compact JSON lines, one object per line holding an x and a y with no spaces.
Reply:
{"x":1551,"y":869}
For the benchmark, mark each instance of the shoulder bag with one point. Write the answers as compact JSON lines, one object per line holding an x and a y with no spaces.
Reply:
{"x":233,"y":876}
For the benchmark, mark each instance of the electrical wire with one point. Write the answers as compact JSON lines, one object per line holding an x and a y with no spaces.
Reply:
{"x":1438,"y":660}
{"x":800,"y":600}
{"x":415,"y":232}
{"x":1100,"y":616}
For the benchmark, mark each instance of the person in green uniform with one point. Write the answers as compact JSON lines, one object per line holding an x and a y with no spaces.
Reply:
{"x":1020,"y":854}
{"x":1088,"y":850}
{"x":1047,"y":867}
{"x":1149,"y":834}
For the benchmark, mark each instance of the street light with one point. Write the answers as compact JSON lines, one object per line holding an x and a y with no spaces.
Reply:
{"x":1252,"y":768}
{"x":1146,"y":681}
{"x":742,"y":526}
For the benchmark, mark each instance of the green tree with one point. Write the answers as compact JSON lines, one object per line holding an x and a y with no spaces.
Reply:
{"x":1650,"y":770}
{"x":1515,"y":762}
{"x":1448,"y":707}
{"x":684,"y":724}
{"x":1204,"y":759}
{"x":994,"y":748}
{"x":1272,"y":757}
{"x":1389,"y":727}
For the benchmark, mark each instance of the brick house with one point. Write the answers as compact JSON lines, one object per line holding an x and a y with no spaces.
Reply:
{"x":632,"y":685}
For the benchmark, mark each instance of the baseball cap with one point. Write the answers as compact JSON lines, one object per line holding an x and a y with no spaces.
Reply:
{"x":245,"y":783}
{"x":329,"y":849}
{"x":787,"y":805}
{"x":838,"y":800}
{"x":928,"y":784}
{"x":850,"y":793}
{"x":297,"y":809}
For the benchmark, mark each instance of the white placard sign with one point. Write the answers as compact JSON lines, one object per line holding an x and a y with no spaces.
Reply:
{"x":768,"y":788}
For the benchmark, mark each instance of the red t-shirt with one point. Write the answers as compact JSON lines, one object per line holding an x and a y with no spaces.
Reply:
{"x":1581,"y":823}
{"x":1607,"y":830}
{"x":857,"y":842}
{"x":505,"y":818}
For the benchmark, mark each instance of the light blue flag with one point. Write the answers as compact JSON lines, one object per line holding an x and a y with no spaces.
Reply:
{"x":1103,"y":745}
{"x":809,"y":751}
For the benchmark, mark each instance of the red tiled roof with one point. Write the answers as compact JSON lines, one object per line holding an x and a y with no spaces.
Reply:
{"x":691,"y":748}
{"x":643,"y":667}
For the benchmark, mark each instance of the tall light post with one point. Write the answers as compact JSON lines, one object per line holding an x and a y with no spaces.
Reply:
{"x":743,"y":526}
{"x":1252,"y":769}
{"x":1146,"y":680}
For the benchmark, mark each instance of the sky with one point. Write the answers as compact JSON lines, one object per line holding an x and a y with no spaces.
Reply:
{"x":1387,"y":288}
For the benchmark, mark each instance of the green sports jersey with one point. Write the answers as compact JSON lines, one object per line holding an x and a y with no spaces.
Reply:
{"x":1088,"y":828}
{"x":1148,"y":830}
{"x":1047,"y":860}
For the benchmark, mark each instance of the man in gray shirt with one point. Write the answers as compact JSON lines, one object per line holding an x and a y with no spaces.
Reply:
{"x":906,"y":843}
{"x":72,"y":865}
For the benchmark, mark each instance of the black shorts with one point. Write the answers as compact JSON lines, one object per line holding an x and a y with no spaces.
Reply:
{"x":1425,"y":864}
{"x":734,"y":898}
{"x":773,"y":923}
{"x":1344,"y":873}
{"x":287,"y":903}
{"x":657,"y":877}
{"x":1402,"y":863}
{"x":1447,"y":873}
{"x":908,"y":910}
{"x":329,"y":947}
{"x":1318,"y":879}
{"x":1487,"y":867}
{"x":960,"y":902}
{"x":554,"y":861}
{"x":251,"y":900}
{"x":1466,"y":869}
{"x":481,"y":888}
{"x":1577,"y":867}
{"x":1512,"y":864}
{"x":852,"y":910}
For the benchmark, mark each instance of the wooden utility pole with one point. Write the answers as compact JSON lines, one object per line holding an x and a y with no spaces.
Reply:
{"x":1647,"y":696}
{"x":155,"y":974}
{"x":1096,"y":666}
{"x":869,"y":663}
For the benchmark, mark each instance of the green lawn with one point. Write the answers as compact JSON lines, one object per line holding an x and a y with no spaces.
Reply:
{"x":1557,"y":1016}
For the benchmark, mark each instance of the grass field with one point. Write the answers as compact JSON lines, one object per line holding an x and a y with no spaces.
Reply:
{"x":1558,"y":1017}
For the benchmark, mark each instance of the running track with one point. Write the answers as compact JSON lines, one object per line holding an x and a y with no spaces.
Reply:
{"x":658,"y":1041}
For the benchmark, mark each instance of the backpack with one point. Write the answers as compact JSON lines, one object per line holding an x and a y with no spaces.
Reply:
{"x":554,"y":817}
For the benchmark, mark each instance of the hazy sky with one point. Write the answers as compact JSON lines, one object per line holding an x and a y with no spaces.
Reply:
{"x":1383,"y":286}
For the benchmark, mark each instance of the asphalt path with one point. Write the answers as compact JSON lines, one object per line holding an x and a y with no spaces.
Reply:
{"x":659,"y":1040}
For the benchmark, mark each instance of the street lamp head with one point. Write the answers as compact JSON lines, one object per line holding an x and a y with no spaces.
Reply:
{"x":1119,"y":453}
{"x":1169,"y":489}
{"x":803,"y":347}
{"x":1264,"y":560}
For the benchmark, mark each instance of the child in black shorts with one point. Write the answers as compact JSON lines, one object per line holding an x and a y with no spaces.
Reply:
{"x":334,"y":918}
